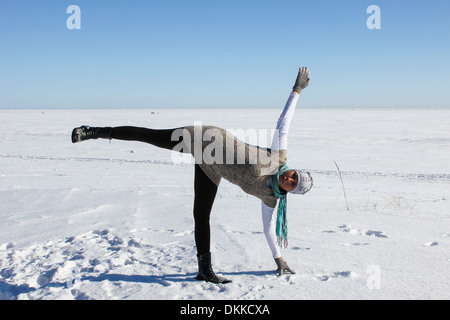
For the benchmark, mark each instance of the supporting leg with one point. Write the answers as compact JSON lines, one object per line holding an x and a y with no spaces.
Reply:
{"x":205,"y":193}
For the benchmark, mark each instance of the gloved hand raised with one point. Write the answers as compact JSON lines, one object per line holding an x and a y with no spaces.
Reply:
{"x":283,"y":267}
{"x":302,"y":79}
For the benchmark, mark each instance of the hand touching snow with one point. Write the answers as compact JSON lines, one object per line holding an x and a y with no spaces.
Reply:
{"x":283,"y":267}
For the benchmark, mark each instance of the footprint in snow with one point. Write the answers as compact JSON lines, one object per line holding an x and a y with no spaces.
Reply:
{"x":356,"y":231}
{"x":336,"y":275}
{"x":355,"y":244}
{"x":301,"y":248}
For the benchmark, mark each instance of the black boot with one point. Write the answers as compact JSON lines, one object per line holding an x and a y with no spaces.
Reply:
{"x":85,"y":133}
{"x":205,"y":271}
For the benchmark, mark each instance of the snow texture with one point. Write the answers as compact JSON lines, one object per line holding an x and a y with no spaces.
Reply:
{"x":113,"y":220}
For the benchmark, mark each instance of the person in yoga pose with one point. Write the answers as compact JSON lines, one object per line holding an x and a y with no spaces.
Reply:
{"x":261,"y":172}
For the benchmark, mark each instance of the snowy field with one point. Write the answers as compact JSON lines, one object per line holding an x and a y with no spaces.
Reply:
{"x":101,"y":220}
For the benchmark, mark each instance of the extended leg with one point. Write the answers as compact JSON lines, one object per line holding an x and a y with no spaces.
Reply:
{"x":159,"y":138}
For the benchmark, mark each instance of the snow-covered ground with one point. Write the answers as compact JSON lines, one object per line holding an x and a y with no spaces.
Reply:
{"x":113,"y":220}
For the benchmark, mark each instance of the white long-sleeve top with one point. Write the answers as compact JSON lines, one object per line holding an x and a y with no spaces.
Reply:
{"x":279,"y":142}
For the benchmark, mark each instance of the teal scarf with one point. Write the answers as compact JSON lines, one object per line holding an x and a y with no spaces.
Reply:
{"x":281,"y":226}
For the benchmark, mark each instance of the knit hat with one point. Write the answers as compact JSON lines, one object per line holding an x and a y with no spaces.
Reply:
{"x":305,"y":182}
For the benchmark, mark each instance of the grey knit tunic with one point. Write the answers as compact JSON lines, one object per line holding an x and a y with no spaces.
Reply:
{"x":221,"y":155}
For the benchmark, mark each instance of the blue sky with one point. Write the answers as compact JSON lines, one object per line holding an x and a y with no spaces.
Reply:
{"x":223,"y":54}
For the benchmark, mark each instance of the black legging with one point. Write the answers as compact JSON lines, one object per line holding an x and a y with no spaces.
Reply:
{"x":204,"y":189}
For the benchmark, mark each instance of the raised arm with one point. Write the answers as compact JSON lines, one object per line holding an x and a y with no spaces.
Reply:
{"x":279,"y":141}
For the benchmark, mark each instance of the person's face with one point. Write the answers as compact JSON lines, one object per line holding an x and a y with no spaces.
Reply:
{"x":288,"y":180}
